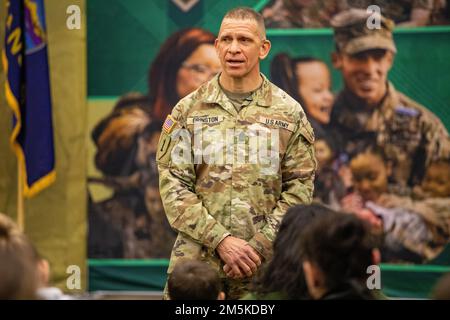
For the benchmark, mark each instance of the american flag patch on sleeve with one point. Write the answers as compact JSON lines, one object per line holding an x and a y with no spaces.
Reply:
{"x":169,"y":123}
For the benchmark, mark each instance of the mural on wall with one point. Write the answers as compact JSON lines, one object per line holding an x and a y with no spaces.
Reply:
{"x":382,"y":154}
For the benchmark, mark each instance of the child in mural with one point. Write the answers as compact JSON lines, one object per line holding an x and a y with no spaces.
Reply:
{"x":436,"y":183}
{"x":332,"y":179}
{"x":308,"y":80}
{"x":415,"y":230}
{"x":132,"y":223}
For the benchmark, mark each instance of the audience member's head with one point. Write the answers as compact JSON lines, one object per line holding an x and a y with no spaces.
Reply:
{"x":283,"y":273}
{"x":337,"y":250}
{"x":194,"y":280}
{"x":441,"y":291}
{"x":19,"y":277}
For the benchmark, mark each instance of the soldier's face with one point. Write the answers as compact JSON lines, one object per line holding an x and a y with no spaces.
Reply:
{"x":365,"y":73}
{"x":240,"y":45}
{"x":370,"y":176}
{"x":198,"y":68}
{"x":314,"y":86}
{"x":437,"y":180}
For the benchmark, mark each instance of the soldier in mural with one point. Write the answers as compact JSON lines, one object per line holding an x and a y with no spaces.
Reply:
{"x":370,"y":111}
{"x":370,"y":114}
{"x":132,"y":223}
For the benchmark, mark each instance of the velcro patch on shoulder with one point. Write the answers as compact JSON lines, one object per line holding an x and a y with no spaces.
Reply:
{"x":277,"y":123}
{"x":406,"y":111}
{"x":165,"y":146}
{"x":169,"y":124}
{"x":307,"y":131}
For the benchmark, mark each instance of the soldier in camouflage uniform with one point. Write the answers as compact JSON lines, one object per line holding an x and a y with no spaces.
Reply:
{"x":227,"y":207}
{"x":370,"y":111}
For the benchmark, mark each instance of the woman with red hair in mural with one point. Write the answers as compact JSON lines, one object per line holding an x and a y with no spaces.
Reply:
{"x":132,"y":223}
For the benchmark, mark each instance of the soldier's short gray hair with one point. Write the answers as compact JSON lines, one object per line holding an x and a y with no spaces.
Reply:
{"x":246,"y":13}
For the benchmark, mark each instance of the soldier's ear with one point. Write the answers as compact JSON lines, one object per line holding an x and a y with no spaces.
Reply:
{"x":216,"y":45}
{"x":390,"y":59}
{"x":336,"y":60}
{"x":265,"y":48}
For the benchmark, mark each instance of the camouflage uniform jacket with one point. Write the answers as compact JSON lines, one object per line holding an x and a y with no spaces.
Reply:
{"x":207,"y":200}
{"x":399,"y":10}
{"x":285,"y":14}
{"x":410,"y":135}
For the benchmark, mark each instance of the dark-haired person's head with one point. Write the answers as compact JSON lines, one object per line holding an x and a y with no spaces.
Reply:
{"x":185,"y":61}
{"x":19,"y":278}
{"x":283,"y":274}
{"x":337,"y":250}
{"x":307,"y":80}
{"x":194,"y":280}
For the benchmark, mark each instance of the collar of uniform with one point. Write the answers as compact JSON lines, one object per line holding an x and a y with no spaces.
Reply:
{"x":355,"y":108}
{"x":384,"y":110}
{"x":352,"y":101}
{"x":213,"y":93}
{"x":262,"y":96}
{"x":390,"y":101}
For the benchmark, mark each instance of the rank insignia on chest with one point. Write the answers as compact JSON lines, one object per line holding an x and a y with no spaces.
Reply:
{"x":169,"y":123}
